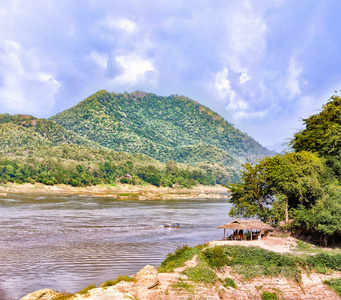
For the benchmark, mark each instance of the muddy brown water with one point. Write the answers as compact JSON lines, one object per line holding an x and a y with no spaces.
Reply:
{"x":67,"y":242}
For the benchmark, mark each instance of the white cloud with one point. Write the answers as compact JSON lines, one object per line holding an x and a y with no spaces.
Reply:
{"x":243,"y":78}
{"x":135,"y":70}
{"x":25,"y":87}
{"x":100,"y":60}
{"x":222,"y":84}
{"x":293,"y":78}
{"x":123,"y":24}
{"x":236,"y":103}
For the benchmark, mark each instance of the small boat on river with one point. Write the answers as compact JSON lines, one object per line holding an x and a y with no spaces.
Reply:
{"x":172,"y":225}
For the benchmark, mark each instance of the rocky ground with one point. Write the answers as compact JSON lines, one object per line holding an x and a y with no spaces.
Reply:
{"x":151,"y":285}
{"x":120,"y":191}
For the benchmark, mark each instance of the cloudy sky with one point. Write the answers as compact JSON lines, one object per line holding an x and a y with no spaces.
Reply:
{"x":262,"y":65}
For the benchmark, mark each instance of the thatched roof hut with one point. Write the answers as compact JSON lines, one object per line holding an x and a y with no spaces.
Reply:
{"x":246,"y":225}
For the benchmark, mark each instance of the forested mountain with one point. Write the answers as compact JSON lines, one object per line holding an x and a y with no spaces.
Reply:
{"x":165,"y":128}
{"x":28,"y":131}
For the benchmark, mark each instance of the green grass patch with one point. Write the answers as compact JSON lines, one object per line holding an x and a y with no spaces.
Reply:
{"x":269,"y":296}
{"x":178,"y":259}
{"x":229,"y":282}
{"x":86,"y":289}
{"x":183,"y":285}
{"x":201,"y":273}
{"x":335,"y":284}
{"x":115,"y":281}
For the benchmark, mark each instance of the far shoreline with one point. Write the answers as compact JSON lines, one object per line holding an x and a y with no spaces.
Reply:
{"x":119,"y":191}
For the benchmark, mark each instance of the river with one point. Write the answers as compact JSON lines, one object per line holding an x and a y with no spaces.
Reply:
{"x":66,"y":242}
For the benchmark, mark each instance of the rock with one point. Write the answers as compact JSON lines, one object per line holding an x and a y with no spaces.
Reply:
{"x":45,"y":294}
{"x":147,"y":277}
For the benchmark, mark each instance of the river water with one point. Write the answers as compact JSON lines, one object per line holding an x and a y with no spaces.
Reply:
{"x":67,"y":242}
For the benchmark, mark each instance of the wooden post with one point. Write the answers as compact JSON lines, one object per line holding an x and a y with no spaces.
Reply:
{"x":224,"y":235}
{"x":251,"y":234}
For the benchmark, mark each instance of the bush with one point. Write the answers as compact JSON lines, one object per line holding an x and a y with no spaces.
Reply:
{"x":269,"y":296}
{"x":229,"y":282}
{"x":216,"y":257}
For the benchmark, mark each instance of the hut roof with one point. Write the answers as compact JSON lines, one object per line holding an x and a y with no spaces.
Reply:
{"x":246,"y":224}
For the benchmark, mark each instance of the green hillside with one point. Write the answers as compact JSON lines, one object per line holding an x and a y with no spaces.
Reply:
{"x":27,"y":131}
{"x":165,"y":128}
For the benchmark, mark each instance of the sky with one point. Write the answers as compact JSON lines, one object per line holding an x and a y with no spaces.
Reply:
{"x":263,"y":65}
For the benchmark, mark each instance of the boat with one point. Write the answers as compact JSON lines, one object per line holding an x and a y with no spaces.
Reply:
{"x":172,"y":225}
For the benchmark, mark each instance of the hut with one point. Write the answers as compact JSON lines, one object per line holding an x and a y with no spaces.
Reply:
{"x":240,"y":225}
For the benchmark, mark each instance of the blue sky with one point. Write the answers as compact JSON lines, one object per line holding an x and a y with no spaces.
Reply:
{"x":262,"y":65}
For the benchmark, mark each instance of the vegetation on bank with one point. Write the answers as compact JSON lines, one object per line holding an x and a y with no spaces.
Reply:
{"x":303,"y":185}
{"x":79,"y":165}
{"x":250,"y":262}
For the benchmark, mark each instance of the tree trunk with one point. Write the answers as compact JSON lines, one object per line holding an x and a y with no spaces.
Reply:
{"x":325,"y":239}
{"x":286,"y":210}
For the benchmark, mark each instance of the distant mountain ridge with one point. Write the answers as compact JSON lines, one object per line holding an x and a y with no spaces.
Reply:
{"x":165,"y":128}
{"x":28,"y":131}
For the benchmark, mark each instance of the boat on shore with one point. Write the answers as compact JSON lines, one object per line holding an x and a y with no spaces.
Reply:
{"x":172,"y":225}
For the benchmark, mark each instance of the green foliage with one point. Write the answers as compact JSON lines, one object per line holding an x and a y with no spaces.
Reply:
{"x":201,"y":273}
{"x":112,"y":282}
{"x":335,"y":284}
{"x":79,"y":165}
{"x":269,"y":296}
{"x":229,"y":282}
{"x":275,"y":184}
{"x":180,"y":256}
{"x":215,"y":257}
{"x":166,"y":128}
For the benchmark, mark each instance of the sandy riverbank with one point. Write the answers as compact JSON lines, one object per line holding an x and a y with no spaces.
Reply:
{"x":119,"y":191}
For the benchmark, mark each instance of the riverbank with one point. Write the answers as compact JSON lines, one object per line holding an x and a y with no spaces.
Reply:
{"x":197,"y":278}
{"x":120,"y":191}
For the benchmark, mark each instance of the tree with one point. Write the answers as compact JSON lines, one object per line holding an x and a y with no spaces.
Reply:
{"x":299,"y":178}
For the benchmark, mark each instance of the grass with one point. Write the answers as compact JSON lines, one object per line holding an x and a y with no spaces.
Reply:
{"x":64,"y":296}
{"x":269,"y":296}
{"x":183,"y":285}
{"x":229,"y":282}
{"x":115,"y":281}
{"x":201,"y":273}
{"x":178,"y":259}
{"x":253,"y":261}
{"x":86,"y":289}
{"x":335,"y":284}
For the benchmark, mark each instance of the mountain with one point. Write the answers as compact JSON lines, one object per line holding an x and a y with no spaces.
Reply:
{"x":27,"y":131}
{"x":165,"y":128}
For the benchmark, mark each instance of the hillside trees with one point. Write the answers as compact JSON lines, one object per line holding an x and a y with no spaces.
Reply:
{"x":297,"y":178}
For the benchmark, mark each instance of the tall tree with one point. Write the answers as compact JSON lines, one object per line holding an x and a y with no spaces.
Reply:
{"x":301,"y":178}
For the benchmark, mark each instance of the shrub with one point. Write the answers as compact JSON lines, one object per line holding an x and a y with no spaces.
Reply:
{"x":229,"y":282}
{"x":215,"y":257}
